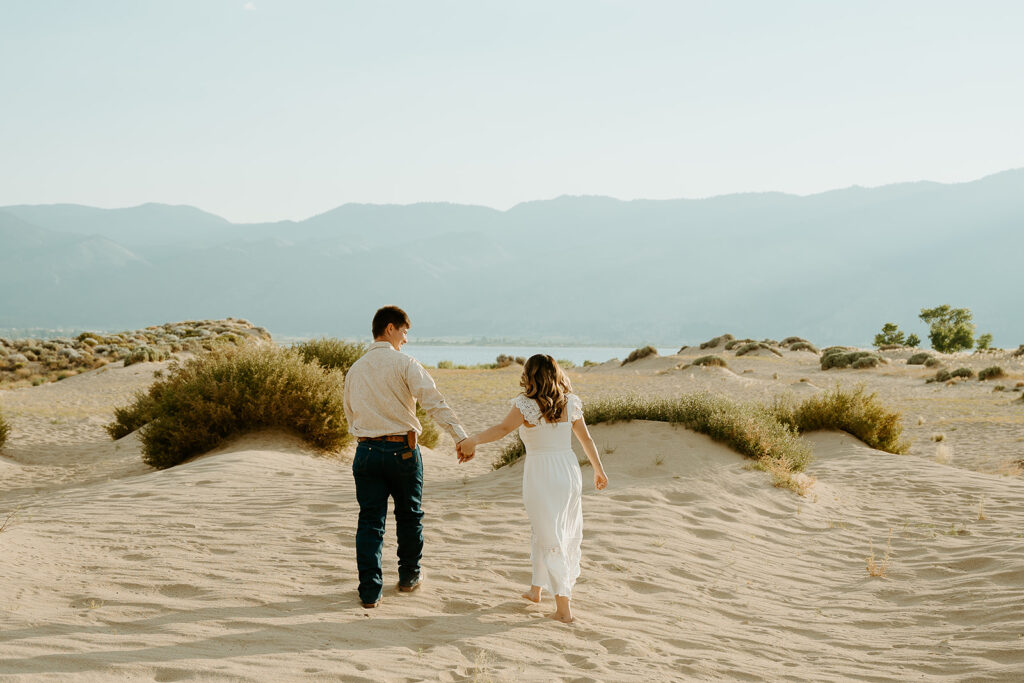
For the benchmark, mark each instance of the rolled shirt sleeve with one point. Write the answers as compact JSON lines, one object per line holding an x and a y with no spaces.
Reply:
{"x":422,"y":386}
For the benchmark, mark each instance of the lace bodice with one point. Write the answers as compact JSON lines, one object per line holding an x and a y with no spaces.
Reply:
{"x":531,"y":410}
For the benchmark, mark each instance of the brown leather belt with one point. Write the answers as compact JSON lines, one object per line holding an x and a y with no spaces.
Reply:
{"x":407,"y":438}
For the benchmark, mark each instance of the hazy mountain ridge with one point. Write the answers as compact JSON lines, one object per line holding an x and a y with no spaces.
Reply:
{"x":831,"y":267}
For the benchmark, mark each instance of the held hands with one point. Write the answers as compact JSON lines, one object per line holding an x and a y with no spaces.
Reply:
{"x":600,"y":479}
{"x":465,"y":449}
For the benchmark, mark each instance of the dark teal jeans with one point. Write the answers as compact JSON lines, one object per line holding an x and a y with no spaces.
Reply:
{"x":384,"y":469}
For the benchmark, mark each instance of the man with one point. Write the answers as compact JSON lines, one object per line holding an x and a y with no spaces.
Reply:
{"x":381,"y":390}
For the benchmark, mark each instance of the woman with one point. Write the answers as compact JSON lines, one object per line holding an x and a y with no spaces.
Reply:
{"x":546,"y":414}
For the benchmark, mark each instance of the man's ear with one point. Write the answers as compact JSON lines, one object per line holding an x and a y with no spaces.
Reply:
{"x":389,"y":330}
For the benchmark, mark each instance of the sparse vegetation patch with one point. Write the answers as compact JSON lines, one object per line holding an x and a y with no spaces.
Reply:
{"x":853,"y":411}
{"x":642,"y":352}
{"x":712,"y":343}
{"x":841,"y":357}
{"x":5,"y":430}
{"x":232,"y":390}
{"x":803,"y":346}
{"x":994,"y":372}
{"x":919,"y":358}
{"x":711,"y":361}
{"x":755,"y":346}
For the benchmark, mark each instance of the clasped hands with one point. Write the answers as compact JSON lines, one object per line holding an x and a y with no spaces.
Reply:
{"x":465,"y":450}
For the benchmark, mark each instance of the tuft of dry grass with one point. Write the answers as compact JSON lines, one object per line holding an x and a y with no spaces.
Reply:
{"x":642,"y":352}
{"x":981,"y":510}
{"x":878,"y":568}
{"x":711,"y":360}
{"x":854,"y":412}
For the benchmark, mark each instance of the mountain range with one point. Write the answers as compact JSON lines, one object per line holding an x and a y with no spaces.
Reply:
{"x":831,"y":267}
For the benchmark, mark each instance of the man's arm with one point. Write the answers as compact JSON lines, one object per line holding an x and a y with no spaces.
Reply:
{"x":422,"y":386}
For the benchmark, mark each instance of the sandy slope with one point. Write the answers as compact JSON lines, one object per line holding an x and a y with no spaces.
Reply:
{"x":240,"y":565}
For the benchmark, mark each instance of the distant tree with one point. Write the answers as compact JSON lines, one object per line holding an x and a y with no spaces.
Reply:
{"x":914,"y":341}
{"x":950,"y":329}
{"x":984,"y":341}
{"x":890,"y":336}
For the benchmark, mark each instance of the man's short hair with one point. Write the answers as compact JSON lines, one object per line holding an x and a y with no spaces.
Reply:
{"x":389,"y":315}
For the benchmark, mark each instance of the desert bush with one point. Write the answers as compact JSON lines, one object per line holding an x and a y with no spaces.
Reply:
{"x":589,"y":363}
{"x":334,"y":354}
{"x":145,"y":354}
{"x":950,"y":329}
{"x":803,"y":346}
{"x":793,"y":340}
{"x":851,"y":411}
{"x":1019,"y":352}
{"x":503,"y":361}
{"x":232,"y":390}
{"x":966,"y":373}
{"x":733,"y":343}
{"x":940,"y":376}
{"x":682,"y":348}
{"x":5,"y":430}
{"x":932,"y":362}
{"x":642,"y":352}
{"x":564,"y":363}
{"x":754,"y":346}
{"x":839,"y":357}
{"x":711,"y":360}
{"x":712,"y":343}
{"x":430,"y":434}
{"x":984,"y":342}
{"x":993,"y":372}
{"x":913,"y":341}
{"x":445,"y":365}
{"x":918,"y":358}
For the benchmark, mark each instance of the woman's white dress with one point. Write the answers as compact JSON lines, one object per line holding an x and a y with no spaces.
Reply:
{"x":552,"y":486}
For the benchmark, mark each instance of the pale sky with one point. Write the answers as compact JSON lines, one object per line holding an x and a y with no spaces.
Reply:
{"x":275,"y":109}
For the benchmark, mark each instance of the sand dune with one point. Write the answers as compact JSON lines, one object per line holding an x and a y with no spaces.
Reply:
{"x":239,"y":565}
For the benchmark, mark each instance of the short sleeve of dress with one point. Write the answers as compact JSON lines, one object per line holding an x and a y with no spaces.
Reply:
{"x":574,"y":406}
{"x":528,"y":407}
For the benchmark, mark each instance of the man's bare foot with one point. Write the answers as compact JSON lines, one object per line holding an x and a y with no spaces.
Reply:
{"x":564,"y":618}
{"x":533,"y":595}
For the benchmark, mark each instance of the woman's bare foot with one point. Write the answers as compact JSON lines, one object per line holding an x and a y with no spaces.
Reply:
{"x":562,"y":612}
{"x":533,"y":595}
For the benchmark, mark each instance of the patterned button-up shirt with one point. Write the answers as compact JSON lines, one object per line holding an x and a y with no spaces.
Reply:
{"x":381,"y":390}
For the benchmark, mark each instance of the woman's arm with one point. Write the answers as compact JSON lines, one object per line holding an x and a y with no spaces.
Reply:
{"x":579,"y":428}
{"x":467,"y":448}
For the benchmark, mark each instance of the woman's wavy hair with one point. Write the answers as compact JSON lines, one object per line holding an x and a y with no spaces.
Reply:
{"x":544,"y":382}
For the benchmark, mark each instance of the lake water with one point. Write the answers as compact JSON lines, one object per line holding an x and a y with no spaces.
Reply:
{"x":428,"y":354}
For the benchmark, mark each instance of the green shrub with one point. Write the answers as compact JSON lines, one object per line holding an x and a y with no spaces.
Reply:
{"x":754,"y":346}
{"x":950,"y":329}
{"x":984,"y":342}
{"x":335,"y":354}
{"x":733,"y":343}
{"x":913,"y":341}
{"x":839,"y":357}
{"x":918,"y":358}
{"x":712,"y":343}
{"x":941,"y":376}
{"x":993,"y":372}
{"x":803,"y":346}
{"x":1019,"y":352}
{"x":5,"y":430}
{"x":711,"y":360}
{"x":932,"y":362}
{"x":430,"y":434}
{"x":966,"y":373}
{"x":589,"y":363}
{"x":135,"y":415}
{"x":788,"y":341}
{"x":853,"y":412}
{"x":232,"y":390}
{"x":510,"y":453}
{"x":445,"y":365}
{"x":145,"y":354}
{"x":642,"y":352}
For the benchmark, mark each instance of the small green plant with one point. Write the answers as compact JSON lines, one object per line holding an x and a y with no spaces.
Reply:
{"x":589,"y":363}
{"x":994,"y":372}
{"x":642,"y":352}
{"x":841,"y":357}
{"x":919,"y":358}
{"x":335,"y":354}
{"x":913,"y":341}
{"x":932,"y":362}
{"x":445,"y":365}
{"x":733,"y":343}
{"x":750,"y":347}
{"x":878,"y":568}
{"x":940,"y":376}
{"x":711,"y":360}
{"x":5,"y":430}
{"x":712,"y":343}
{"x":803,"y":346}
{"x":966,"y":373}
{"x":984,"y":342}
{"x":950,"y":329}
